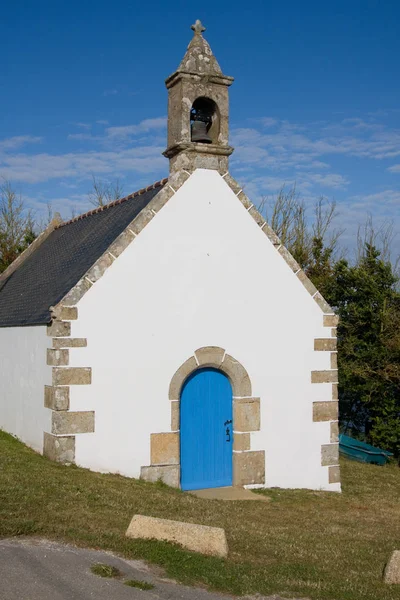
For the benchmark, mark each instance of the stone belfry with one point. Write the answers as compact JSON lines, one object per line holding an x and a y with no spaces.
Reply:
{"x":198,"y":110}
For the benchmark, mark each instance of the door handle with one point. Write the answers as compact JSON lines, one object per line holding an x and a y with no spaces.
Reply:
{"x":228,"y":431}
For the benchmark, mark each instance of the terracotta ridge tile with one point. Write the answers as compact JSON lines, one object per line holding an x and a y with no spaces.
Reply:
{"x":115,"y":202}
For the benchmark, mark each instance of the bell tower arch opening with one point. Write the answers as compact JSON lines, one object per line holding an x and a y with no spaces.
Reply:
{"x":204,"y":121}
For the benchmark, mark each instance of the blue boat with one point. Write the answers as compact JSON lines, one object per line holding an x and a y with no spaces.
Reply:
{"x":362,"y":452}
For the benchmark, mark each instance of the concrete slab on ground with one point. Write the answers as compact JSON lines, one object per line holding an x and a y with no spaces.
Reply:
{"x":34,"y":569}
{"x":392,"y":571}
{"x":198,"y":538}
{"x":229,"y":493}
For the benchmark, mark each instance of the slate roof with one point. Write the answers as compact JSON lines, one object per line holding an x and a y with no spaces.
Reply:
{"x":44,"y":278}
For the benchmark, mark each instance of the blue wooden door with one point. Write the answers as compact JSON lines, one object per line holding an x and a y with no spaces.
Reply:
{"x":206,"y":430}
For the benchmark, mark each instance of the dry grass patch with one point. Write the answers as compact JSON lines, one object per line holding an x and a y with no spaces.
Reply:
{"x":103,"y":570}
{"x":141,"y":585}
{"x":320,"y":545}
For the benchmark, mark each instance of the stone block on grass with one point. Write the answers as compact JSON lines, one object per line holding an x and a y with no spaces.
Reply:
{"x":197,"y":538}
{"x":392,"y":571}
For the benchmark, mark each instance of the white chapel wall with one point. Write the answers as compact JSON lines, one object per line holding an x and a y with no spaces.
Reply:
{"x":23,"y":375}
{"x":201,"y":273}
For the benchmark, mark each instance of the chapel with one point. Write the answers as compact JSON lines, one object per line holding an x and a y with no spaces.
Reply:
{"x":170,"y":335}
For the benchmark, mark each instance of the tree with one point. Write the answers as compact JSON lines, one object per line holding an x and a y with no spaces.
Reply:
{"x":381,"y":237}
{"x":313,"y":244}
{"x":368,"y":305}
{"x":365,"y":296}
{"x":104,"y":192}
{"x":17,"y":228}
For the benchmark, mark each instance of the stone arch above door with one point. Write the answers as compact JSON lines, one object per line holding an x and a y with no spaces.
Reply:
{"x":248,"y":464}
{"x":212,"y":356}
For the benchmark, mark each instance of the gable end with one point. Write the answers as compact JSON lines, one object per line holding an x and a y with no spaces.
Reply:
{"x":276,"y":242}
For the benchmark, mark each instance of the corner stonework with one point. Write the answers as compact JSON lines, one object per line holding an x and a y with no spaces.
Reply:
{"x":328,"y":411}
{"x":248,"y":465}
{"x":59,"y":443}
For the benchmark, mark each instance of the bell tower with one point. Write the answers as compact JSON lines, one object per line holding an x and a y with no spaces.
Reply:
{"x":198,"y":110}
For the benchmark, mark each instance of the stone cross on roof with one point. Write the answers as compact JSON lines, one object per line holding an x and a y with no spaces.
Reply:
{"x":199,"y":59}
{"x":198,"y":27}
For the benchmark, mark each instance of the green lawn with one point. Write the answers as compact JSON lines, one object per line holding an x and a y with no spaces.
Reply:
{"x":315,"y":544}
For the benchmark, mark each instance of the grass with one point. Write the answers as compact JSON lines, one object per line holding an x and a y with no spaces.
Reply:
{"x":142,"y":585}
{"x":319,"y":545}
{"x":103,"y":570}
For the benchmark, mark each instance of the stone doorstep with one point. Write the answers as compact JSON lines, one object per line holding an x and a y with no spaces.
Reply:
{"x":197,"y":538}
{"x":228,"y":493}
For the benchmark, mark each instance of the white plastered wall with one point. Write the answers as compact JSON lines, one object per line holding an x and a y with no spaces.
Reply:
{"x":201,"y":273}
{"x":23,"y":375}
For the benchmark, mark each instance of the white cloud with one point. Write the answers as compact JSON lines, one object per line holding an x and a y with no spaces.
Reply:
{"x":358,"y":123}
{"x":143,"y":127}
{"x":13,"y":143}
{"x":384,"y":197}
{"x":130,"y":148}
{"x":115,"y":137}
{"x":314,"y":164}
{"x":83,"y":136}
{"x":330,"y":180}
{"x":113,"y":92}
{"x":268,"y":121}
{"x":394,"y":169}
{"x":37,"y":168}
{"x":292,"y":143}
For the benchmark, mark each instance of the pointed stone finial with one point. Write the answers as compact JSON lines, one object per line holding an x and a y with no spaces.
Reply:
{"x":198,"y":27}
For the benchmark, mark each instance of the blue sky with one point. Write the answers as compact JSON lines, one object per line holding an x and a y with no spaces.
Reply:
{"x":315,"y":99}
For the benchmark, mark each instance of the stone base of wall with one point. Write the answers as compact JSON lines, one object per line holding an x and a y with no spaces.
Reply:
{"x":60,"y":448}
{"x":168,"y":474}
{"x":249,"y":468}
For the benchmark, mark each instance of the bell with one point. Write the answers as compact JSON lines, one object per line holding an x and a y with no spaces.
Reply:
{"x":199,"y":133}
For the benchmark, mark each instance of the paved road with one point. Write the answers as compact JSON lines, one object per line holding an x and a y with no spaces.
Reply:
{"x":32,"y":569}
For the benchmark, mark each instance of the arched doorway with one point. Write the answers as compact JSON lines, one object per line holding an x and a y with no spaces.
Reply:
{"x":166,"y":447}
{"x":206,"y":431}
